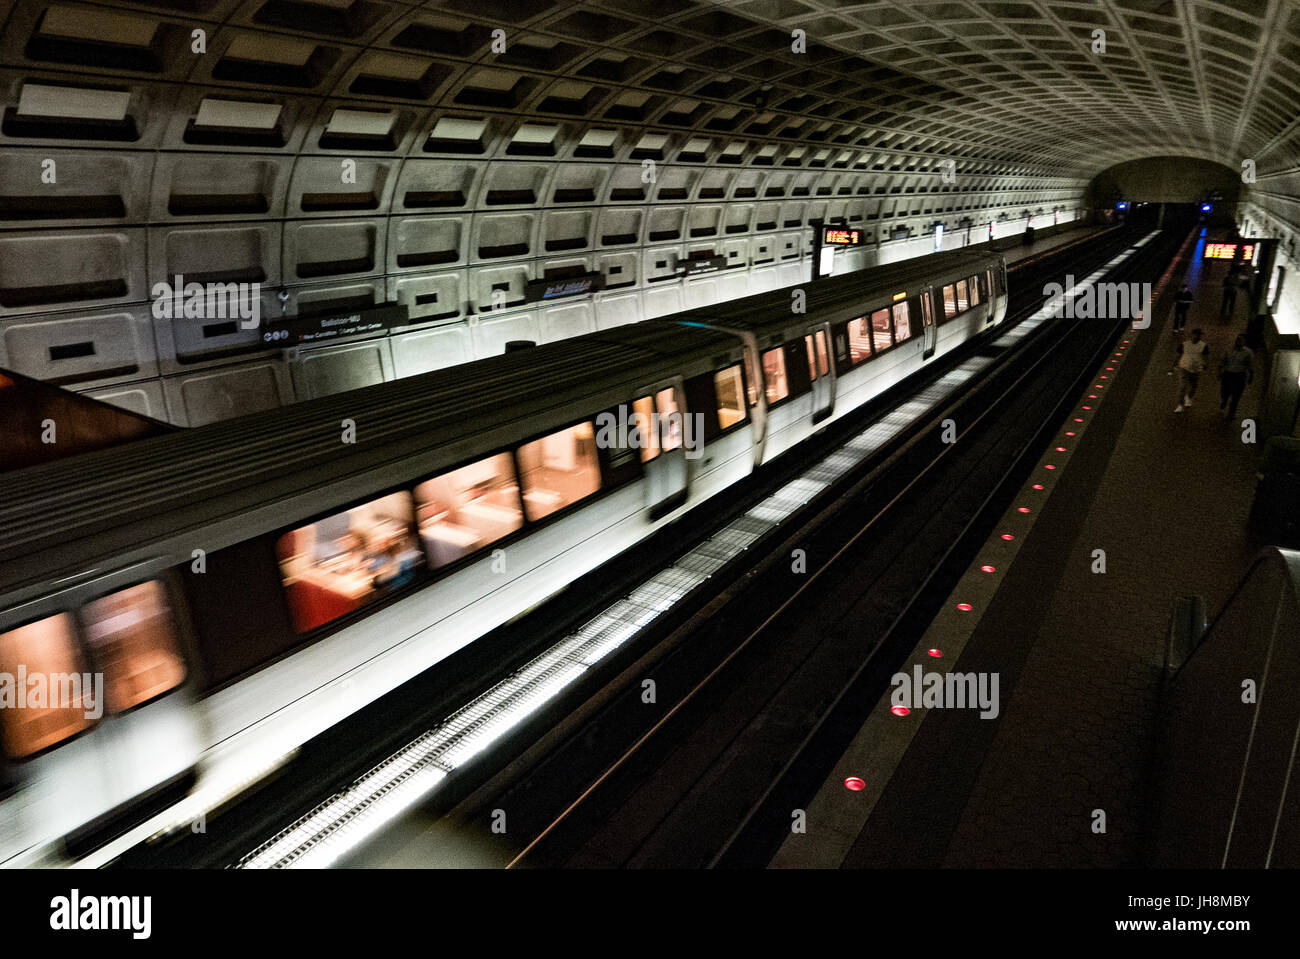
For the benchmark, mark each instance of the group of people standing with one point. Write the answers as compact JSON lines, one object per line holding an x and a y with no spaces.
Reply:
{"x":1236,"y":369}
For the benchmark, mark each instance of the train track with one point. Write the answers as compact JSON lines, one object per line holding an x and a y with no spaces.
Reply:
{"x":712,"y":779}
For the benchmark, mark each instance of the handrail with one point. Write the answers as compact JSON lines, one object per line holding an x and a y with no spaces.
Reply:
{"x":1227,"y":781}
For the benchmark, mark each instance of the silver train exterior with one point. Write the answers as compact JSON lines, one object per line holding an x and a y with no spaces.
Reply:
{"x":201,"y":520}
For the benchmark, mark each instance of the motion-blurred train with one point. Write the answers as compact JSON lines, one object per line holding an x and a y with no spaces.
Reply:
{"x":243,"y":586}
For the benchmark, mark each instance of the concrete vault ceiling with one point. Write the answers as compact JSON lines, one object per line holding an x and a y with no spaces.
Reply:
{"x":988,"y":79}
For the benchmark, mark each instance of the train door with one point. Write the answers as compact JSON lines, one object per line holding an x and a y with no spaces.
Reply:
{"x":662,"y":414}
{"x":929,"y":332}
{"x":757,"y":396}
{"x":817,"y":343}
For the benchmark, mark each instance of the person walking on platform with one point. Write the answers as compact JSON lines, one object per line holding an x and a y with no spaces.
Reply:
{"x":1193,"y":354}
{"x":1236,"y":370}
{"x":1182,"y":303}
{"x":1229,"y":304}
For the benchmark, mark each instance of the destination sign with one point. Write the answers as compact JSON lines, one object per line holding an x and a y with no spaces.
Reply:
{"x":841,"y":236}
{"x":1228,"y":251}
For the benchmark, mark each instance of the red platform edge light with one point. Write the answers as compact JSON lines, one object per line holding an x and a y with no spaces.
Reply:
{"x":1069,"y":432}
{"x":1038,"y":486}
{"x":855,"y":784}
{"x":899,"y":710}
{"x":1049,"y":466}
{"x":1008,"y":537}
{"x":934,"y":652}
{"x":965,"y":607}
{"x":1060,"y":449}
{"x":1022,"y":509}
{"x":988,"y":569}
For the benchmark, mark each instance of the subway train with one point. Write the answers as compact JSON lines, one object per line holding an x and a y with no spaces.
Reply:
{"x":178,"y":612}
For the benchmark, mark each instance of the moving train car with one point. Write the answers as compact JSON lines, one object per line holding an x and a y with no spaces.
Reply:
{"x":240,"y":587}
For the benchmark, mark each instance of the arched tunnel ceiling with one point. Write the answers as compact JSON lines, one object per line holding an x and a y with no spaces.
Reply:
{"x":1220,"y":81}
{"x":1005,"y":81}
{"x":893,"y":114}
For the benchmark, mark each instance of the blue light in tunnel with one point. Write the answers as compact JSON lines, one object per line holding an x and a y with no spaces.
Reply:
{"x":1122,"y":205}
{"x":1206,"y":207}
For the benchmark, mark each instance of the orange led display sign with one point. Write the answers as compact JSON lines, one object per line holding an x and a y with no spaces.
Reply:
{"x":1228,"y":251}
{"x":841,"y":236}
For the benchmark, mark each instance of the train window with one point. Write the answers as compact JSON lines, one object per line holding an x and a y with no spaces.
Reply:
{"x":949,"y":302}
{"x":558,"y":470}
{"x":818,"y":360}
{"x":902,"y":321}
{"x":460,"y":512}
{"x":643,"y":419}
{"x":133,"y":640}
{"x":881,"y":336}
{"x":777,"y":384}
{"x":859,"y":340}
{"x":730,"y":388}
{"x":974,"y":286}
{"x":963,"y":301}
{"x":49,"y":703}
{"x":344,"y":561}
{"x":670,"y":419}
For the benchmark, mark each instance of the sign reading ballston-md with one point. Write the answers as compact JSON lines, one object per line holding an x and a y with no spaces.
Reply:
{"x":336,"y":326}
{"x":556,"y":289}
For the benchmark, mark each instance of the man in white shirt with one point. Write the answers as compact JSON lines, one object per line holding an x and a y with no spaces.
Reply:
{"x":1193,"y":351}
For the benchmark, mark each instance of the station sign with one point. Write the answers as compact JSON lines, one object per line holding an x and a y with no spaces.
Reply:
{"x":327,"y":327}
{"x":841,"y":236}
{"x":560,"y":288}
{"x":707,"y":264}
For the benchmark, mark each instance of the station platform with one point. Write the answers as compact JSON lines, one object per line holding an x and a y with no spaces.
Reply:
{"x":1076,"y":637}
{"x":1023,"y":251}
